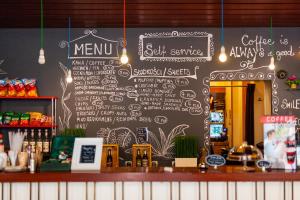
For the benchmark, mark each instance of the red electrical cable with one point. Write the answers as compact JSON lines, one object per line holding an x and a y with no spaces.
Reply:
{"x":124,"y":23}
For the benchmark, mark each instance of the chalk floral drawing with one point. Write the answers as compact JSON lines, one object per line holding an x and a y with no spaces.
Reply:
{"x":64,"y":121}
{"x":162,"y":146}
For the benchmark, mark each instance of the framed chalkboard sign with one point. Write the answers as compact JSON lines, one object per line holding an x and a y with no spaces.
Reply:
{"x":87,"y":154}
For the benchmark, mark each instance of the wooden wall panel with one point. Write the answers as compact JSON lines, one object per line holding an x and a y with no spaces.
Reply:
{"x":150,"y":13}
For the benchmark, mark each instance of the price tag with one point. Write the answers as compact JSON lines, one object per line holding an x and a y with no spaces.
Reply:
{"x":215,"y":160}
{"x":263,"y":164}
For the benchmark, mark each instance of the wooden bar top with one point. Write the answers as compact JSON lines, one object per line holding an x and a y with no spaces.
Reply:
{"x":226,"y":173}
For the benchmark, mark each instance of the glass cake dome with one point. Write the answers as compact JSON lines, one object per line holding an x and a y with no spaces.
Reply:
{"x":245,"y":152}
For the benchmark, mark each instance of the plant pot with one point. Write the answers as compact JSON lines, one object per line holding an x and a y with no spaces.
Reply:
{"x":293,"y":86}
{"x":185,"y":162}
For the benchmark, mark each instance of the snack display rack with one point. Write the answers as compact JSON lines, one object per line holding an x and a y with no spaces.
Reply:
{"x":53,"y":101}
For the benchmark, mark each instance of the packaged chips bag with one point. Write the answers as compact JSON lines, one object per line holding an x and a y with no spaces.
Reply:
{"x":1,"y":118}
{"x":11,"y":91}
{"x":35,"y":118}
{"x":30,"y":86}
{"x":7,"y":117}
{"x":15,"y":118}
{"x":3,"y":88}
{"x":46,"y":120}
{"x":24,"y":120}
{"x":20,"y":88}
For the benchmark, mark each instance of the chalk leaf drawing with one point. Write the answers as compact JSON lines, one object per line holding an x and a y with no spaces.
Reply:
{"x":2,"y":72}
{"x":64,"y":120}
{"x":165,"y":146}
{"x":162,"y":146}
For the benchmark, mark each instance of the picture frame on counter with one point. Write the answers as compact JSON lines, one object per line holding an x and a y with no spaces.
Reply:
{"x":87,"y":154}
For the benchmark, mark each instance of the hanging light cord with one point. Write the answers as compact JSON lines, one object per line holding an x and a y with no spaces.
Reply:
{"x":124,"y":23}
{"x":271,"y":35}
{"x":222,"y":22}
{"x":69,"y":39}
{"x":42,"y":24}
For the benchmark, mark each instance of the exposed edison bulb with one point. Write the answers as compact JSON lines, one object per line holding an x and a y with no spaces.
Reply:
{"x":42,"y":57}
{"x":272,"y":65}
{"x":69,"y":78}
{"x":124,"y":57}
{"x":222,"y":56}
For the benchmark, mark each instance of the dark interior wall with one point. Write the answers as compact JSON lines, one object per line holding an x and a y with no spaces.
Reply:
{"x":168,"y":94}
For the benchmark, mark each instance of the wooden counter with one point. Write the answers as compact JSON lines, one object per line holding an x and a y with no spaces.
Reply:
{"x":223,"y":174}
{"x":227,"y":183}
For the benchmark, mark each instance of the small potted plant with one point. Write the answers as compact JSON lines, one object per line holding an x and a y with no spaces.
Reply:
{"x":292,"y":81}
{"x":186,"y":151}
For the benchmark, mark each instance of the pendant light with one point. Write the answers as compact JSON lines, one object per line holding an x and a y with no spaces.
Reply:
{"x":222,"y":56}
{"x":272,"y":64}
{"x":124,"y":58}
{"x":42,"y":52}
{"x":69,"y":78}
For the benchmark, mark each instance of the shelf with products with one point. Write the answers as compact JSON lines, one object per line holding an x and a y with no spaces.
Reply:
{"x":28,"y":126}
{"x":13,"y":101}
{"x":28,"y":98}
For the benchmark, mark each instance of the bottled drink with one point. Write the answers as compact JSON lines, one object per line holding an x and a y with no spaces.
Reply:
{"x":25,"y":141}
{"x":298,"y":146}
{"x":290,"y":151}
{"x":138,"y":158}
{"x":46,"y":143}
{"x":32,"y":141}
{"x":109,"y":159}
{"x":1,"y":143}
{"x":145,"y":161}
{"x":39,"y":142}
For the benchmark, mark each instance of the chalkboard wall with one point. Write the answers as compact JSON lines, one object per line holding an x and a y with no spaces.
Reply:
{"x":165,"y":86}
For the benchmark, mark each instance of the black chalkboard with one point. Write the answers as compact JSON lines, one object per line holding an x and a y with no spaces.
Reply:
{"x":165,"y":87}
{"x":87,"y":154}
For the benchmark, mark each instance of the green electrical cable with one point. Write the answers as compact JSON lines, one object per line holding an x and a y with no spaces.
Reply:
{"x":42,"y":25}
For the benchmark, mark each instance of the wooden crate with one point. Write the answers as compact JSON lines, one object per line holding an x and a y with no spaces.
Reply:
{"x":142,"y":147}
{"x":114,"y":153}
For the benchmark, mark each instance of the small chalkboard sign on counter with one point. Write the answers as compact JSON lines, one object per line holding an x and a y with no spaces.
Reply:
{"x":215,"y":160}
{"x":87,"y":154}
{"x":263,"y":164}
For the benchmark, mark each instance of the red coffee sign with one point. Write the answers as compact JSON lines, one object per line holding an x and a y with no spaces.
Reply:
{"x":277,"y":119}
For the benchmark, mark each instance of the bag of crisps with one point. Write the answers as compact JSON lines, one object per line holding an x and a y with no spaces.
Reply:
{"x":35,"y":118}
{"x":46,"y":120}
{"x":11,"y":91}
{"x":1,"y":118}
{"x":20,"y":88}
{"x":24,"y":121}
{"x":3,"y":88}
{"x":14,"y":120}
{"x":30,"y":86}
{"x":7,"y":117}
